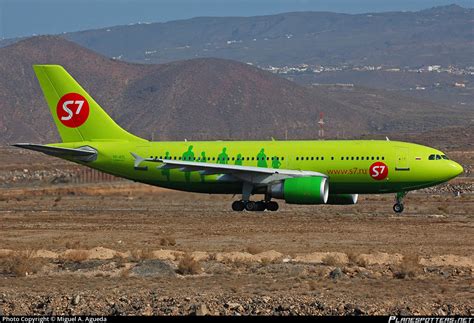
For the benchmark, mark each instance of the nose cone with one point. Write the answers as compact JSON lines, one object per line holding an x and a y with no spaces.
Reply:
{"x":454,"y":169}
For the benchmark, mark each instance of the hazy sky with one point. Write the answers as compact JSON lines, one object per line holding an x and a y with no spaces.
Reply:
{"x":28,"y":17}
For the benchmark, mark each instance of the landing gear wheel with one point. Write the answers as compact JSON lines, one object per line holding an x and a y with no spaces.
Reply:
{"x":272,"y":206}
{"x":260,"y":206}
{"x":251,"y":206}
{"x":398,"y":208}
{"x":238,"y":206}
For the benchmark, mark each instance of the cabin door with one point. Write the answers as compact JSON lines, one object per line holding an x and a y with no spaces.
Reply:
{"x":402,"y":162}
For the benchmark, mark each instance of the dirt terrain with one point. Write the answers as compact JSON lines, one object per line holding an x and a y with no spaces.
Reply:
{"x":122,"y":248}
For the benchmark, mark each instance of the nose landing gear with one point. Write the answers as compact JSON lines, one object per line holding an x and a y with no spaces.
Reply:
{"x":398,"y":206}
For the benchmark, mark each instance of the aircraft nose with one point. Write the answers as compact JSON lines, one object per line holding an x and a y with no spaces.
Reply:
{"x":455,"y":169}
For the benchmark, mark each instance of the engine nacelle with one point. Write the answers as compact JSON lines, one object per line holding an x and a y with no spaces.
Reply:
{"x":302,"y":190}
{"x":343,"y":199}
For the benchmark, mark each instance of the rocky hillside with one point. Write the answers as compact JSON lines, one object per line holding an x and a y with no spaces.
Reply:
{"x":199,"y":99}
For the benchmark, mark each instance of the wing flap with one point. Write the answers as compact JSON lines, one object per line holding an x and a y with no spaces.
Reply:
{"x":244,"y":173}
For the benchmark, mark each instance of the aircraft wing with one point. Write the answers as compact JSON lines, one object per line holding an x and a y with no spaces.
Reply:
{"x":85,"y":153}
{"x":256,"y":175}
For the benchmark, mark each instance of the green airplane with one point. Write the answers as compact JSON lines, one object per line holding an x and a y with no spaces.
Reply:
{"x":298,"y":172}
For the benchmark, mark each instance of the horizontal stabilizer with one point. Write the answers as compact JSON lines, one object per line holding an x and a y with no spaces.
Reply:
{"x":84,"y":153}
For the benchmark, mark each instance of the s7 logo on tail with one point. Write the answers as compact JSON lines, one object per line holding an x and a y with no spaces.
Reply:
{"x":72,"y":110}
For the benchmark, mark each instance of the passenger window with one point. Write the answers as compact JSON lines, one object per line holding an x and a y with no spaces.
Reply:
{"x":317,"y":158}
{"x":377,"y":157}
{"x":332,"y":158}
{"x":282,"y":158}
{"x":352,"y":158}
{"x":312,"y":158}
{"x":357,"y":158}
{"x":383,"y":158}
{"x":372,"y":157}
{"x":297,"y":158}
{"x":342,"y":158}
{"x":322,"y":158}
{"x":362,"y":158}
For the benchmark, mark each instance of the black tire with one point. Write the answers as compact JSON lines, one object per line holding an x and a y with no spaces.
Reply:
{"x":261,"y":206}
{"x":251,"y":206}
{"x":398,"y":208}
{"x":272,"y":206}
{"x":238,"y":206}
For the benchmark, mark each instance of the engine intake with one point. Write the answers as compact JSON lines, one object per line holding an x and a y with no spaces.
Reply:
{"x":302,"y":190}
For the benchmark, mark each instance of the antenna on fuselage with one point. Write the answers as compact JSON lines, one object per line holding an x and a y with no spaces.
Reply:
{"x":387,"y":138}
{"x":321,"y":125}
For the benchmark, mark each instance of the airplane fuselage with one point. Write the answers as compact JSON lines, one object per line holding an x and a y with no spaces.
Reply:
{"x":352,"y":166}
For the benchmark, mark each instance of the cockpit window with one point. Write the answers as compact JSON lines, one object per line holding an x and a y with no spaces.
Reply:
{"x":437,"y":157}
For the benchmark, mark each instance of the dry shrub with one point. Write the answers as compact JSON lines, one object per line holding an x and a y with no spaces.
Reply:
{"x":21,"y":263}
{"x":408,"y":268}
{"x":353,"y":258}
{"x":253,"y":249}
{"x":73,"y":244}
{"x":167,"y":241}
{"x":239,"y":263}
{"x":356,"y":259}
{"x":125,"y":272}
{"x":212,"y":256}
{"x":313,"y":285}
{"x":443,"y":208}
{"x":76,"y":255}
{"x":188,"y":266}
{"x":141,"y":254}
{"x":361,"y":262}
{"x":266,"y":261}
{"x":331,"y":260}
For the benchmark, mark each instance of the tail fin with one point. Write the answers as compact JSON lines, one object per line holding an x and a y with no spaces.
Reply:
{"x":76,"y":115}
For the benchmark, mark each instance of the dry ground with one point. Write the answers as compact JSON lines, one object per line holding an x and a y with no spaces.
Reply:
{"x":122,"y":248}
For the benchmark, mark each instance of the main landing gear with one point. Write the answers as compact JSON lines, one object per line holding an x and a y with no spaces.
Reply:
{"x":398,"y":206}
{"x":254,"y":206}
{"x":246,"y":204}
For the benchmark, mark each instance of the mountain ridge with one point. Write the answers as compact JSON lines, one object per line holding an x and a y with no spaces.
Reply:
{"x":199,"y":99}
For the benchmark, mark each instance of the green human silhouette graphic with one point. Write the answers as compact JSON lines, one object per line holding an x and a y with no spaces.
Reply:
{"x":275,"y":162}
{"x":203,"y":157}
{"x":262,"y":159}
{"x":223,"y":158}
{"x":166,"y":172}
{"x":203,"y":160}
{"x":188,"y":156}
{"x":238,"y":161}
